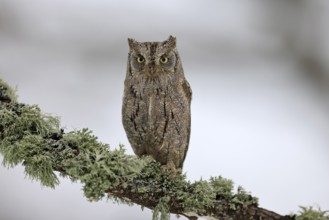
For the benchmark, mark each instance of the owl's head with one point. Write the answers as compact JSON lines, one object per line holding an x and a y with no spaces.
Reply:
{"x":153,"y":59}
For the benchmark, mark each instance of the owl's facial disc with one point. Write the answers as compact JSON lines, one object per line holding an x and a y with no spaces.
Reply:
{"x":161,"y":64}
{"x":153,"y":59}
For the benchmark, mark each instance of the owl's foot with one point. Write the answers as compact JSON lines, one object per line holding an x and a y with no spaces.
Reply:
{"x":171,"y":168}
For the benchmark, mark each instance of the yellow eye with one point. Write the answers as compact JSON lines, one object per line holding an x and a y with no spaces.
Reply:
{"x":164,"y":59}
{"x":140,"y":59}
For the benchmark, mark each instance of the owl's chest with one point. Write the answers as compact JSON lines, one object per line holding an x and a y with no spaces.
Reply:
{"x":155,"y":106}
{"x":150,"y":108}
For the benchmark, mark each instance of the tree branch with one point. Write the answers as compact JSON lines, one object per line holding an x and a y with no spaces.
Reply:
{"x":36,"y":140}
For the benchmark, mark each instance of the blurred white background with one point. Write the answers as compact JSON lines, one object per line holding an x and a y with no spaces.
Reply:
{"x":259,"y":71}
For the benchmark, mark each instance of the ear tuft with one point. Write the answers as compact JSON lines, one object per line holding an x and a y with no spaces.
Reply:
{"x":170,"y":42}
{"x":132,"y":43}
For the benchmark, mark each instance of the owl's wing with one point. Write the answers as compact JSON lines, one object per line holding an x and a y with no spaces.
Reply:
{"x":187,"y":90}
{"x":188,"y":93}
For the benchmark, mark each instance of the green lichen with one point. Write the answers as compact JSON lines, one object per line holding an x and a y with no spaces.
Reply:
{"x":311,"y":213}
{"x":161,"y":211}
{"x":7,"y":93}
{"x":22,"y":129}
{"x":94,"y":165}
{"x":35,"y":139}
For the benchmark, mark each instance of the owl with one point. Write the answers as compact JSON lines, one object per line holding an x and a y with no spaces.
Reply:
{"x":156,"y":105}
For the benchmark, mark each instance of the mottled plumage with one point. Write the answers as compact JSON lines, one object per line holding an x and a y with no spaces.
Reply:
{"x":156,"y":104}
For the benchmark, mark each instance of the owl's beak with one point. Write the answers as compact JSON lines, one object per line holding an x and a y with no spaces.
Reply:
{"x":152,"y":68}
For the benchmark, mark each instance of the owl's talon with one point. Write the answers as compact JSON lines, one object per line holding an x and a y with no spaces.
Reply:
{"x":173,"y":171}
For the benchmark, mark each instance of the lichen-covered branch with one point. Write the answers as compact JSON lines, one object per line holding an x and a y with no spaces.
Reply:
{"x":35,"y":139}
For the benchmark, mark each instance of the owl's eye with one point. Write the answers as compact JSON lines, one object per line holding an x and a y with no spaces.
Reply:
{"x":164,"y":60}
{"x":140,"y":59}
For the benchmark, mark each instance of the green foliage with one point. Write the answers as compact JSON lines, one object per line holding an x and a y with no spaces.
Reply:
{"x":6,"y":92}
{"x":22,"y":129}
{"x":222,"y":187}
{"x":243,"y":198}
{"x":200,"y":196}
{"x":94,"y":165}
{"x":34,"y":139}
{"x":161,"y":211}
{"x":310,"y":213}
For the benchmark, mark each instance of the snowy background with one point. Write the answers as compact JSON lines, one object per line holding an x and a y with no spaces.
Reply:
{"x":259,"y":71}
